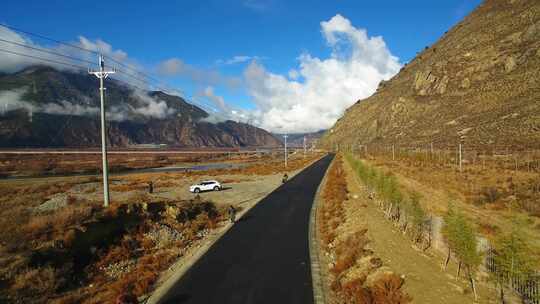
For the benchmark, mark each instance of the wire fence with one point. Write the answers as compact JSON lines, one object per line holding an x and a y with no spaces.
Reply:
{"x":527,"y":286}
{"x":458,"y":156}
{"x":428,"y":234}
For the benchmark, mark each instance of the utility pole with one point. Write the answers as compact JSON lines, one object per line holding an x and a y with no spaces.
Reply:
{"x":460,"y":158}
{"x":101,"y":75}
{"x":285,"y":136}
{"x":305,"y":146}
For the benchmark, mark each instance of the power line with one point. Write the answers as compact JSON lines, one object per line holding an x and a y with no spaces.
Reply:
{"x":92,"y":52}
{"x":123,"y":72}
{"x":44,"y":59}
{"x":47,"y":51}
{"x":141,"y":80}
{"x":48,"y":38}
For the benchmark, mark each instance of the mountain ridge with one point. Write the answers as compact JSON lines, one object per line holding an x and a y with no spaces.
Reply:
{"x":479,"y":84}
{"x":45,"y":107}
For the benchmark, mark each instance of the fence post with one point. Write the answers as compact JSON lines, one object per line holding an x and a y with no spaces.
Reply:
{"x":460,"y":158}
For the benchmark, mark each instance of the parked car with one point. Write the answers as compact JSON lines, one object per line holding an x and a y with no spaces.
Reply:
{"x":208,"y":185}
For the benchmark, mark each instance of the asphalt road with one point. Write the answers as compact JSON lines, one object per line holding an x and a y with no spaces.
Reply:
{"x":263,"y":258}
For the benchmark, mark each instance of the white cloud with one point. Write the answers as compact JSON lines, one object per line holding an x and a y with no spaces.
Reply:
{"x":293,"y":74}
{"x":224,"y":111}
{"x":177,"y":67}
{"x":355,"y":67}
{"x":220,"y":111}
{"x":148,"y":106}
{"x":12,"y":100}
{"x":217,"y":100}
{"x":238,"y":59}
{"x":151,"y":107}
{"x":14,"y":42}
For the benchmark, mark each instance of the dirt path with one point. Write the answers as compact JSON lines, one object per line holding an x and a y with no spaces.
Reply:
{"x":425,"y":279}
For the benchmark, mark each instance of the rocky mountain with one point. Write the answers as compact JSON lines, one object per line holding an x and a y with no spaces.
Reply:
{"x":44,"y":107}
{"x":478,"y":84}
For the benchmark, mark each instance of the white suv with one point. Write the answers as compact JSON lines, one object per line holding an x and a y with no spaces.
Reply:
{"x":205,"y":186}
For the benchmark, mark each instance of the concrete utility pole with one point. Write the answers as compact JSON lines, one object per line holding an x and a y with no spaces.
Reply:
{"x":101,"y":75}
{"x":305,"y":147}
{"x":285,"y":136}
{"x":460,"y":158}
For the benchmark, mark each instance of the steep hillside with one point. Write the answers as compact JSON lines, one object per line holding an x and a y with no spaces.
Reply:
{"x":44,"y":107}
{"x":479,"y":84}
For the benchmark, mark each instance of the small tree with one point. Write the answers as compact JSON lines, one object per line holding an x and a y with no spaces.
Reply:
{"x":448,"y":231}
{"x":461,"y":239}
{"x":418,"y":216}
{"x":513,"y":258}
{"x":467,"y":249}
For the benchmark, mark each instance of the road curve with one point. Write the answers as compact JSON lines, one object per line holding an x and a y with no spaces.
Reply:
{"x":263,"y":258}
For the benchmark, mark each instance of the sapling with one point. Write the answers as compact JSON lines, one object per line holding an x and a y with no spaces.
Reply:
{"x":513,"y":258}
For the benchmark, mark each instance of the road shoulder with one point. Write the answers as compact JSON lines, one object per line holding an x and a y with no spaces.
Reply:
{"x":317,"y":275}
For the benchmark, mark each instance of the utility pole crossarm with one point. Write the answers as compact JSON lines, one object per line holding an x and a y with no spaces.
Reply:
{"x":101,"y":75}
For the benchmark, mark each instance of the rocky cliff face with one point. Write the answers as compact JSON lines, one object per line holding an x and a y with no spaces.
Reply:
{"x":479,"y":84}
{"x":43,"y":107}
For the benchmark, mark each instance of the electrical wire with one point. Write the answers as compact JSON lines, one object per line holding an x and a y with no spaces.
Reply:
{"x":126,"y":67}
{"x":44,"y":59}
{"x":47,"y":51}
{"x":48,"y":38}
{"x":123,"y":72}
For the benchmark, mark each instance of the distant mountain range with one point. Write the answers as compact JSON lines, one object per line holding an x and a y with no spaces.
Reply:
{"x":44,"y":107}
{"x":297,"y":139}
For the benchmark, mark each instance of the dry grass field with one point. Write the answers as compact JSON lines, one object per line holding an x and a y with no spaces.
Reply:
{"x":59,"y":245}
{"x":491,"y":197}
{"x":38,"y":164}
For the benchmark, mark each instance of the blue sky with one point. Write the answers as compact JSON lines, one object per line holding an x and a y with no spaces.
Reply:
{"x":206,"y":34}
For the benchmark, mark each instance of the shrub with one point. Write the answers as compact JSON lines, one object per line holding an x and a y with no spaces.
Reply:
{"x":349,"y":250}
{"x":490,"y":194}
{"x":388,"y":290}
{"x":58,"y":220}
{"x":417,"y":215}
{"x":37,"y":281}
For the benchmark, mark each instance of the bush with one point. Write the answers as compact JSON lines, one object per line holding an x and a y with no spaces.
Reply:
{"x":349,"y":250}
{"x":387,"y":290}
{"x":490,"y":194}
{"x":37,"y":281}
{"x":58,"y":220}
{"x":417,"y":215}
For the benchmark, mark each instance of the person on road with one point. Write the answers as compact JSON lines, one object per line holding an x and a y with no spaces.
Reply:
{"x":232,"y":214}
{"x":150,"y":187}
{"x":285,"y":178}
